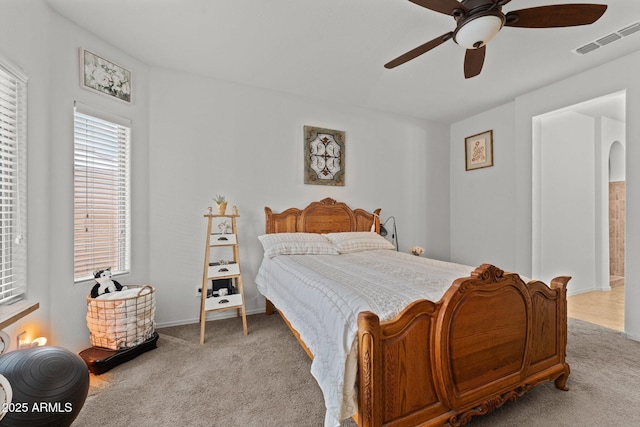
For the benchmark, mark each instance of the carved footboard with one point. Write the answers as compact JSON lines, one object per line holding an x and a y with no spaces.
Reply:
{"x":489,"y":339}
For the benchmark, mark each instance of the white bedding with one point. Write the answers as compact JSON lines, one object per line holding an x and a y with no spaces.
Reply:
{"x":321,"y":296}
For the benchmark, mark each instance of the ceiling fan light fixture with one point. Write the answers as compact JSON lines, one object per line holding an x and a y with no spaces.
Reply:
{"x":478,"y":31}
{"x":478,"y":21}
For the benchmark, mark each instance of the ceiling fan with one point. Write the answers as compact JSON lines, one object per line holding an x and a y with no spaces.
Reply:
{"x":478,"y":21}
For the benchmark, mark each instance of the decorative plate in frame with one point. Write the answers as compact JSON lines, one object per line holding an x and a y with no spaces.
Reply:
{"x":323,"y":156}
{"x":103,"y":76}
{"x":478,"y":150}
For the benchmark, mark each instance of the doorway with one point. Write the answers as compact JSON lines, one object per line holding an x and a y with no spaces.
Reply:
{"x":578,"y":165}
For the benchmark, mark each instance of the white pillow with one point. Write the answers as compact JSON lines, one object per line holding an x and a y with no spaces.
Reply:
{"x":296,"y":244}
{"x":357,"y":241}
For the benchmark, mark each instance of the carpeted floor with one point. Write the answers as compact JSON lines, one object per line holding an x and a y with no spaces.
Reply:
{"x":263,"y":379}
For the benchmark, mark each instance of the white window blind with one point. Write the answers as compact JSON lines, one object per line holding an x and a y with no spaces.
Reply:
{"x":13,"y":184}
{"x":101,"y":193}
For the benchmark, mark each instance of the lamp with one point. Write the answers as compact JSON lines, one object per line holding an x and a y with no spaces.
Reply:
{"x":394,"y":234}
{"x":478,"y":29}
{"x":383,"y":229}
{"x":26,"y":343}
{"x":39,"y":342}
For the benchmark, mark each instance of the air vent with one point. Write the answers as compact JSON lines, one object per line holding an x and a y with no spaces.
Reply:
{"x":587,"y":48}
{"x":609,"y":38}
{"x":630,"y":29}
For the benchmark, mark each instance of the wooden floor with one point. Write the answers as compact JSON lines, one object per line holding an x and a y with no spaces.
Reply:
{"x":602,"y":308}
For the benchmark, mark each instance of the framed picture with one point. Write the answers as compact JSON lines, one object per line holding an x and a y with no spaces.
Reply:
{"x":103,"y":76}
{"x":478,"y":150}
{"x":323,"y":156}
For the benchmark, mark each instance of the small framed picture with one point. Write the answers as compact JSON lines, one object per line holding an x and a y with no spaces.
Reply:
{"x":103,"y":76}
{"x":324,"y":156}
{"x":478,"y":150}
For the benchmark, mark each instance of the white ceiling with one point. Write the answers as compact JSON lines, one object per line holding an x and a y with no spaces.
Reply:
{"x":335,"y":50}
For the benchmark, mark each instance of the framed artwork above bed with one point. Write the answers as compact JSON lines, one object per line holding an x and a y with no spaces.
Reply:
{"x":324,"y":156}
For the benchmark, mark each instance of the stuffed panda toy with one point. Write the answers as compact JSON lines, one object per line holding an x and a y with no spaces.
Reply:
{"x":105,"y":283}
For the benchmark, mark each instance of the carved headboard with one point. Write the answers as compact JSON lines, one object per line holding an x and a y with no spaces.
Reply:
{"x":325,"y":216}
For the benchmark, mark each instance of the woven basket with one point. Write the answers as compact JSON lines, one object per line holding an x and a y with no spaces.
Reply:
{"x":119,"y":323}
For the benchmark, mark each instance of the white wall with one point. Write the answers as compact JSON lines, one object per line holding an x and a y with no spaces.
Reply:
{"x":566,"y":230}
{"x":210,"y":137}
{"x":612,"y":132}
{"x":483,"y":200}
{"x":616,"y":76}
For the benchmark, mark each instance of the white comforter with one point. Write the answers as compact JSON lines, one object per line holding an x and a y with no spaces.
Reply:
{"x":321,"y":296}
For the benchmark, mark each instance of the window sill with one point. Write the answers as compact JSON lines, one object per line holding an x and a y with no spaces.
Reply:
{"x":12,"y":313}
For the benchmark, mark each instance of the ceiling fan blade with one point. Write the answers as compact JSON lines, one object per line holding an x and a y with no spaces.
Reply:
{"x":560,"y":15}
{"x":443,"y":6}
{"x":419,"y":50}
{"x":473,"y":61}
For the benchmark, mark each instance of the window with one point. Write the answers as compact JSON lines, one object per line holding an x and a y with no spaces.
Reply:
{"x":101,"y":193}
{"x":13,"y":184}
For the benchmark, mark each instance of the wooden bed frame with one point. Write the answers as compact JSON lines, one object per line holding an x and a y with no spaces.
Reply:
{"x":490,"y":339}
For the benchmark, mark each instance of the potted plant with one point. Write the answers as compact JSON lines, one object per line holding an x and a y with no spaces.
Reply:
{"x":221,"y":203}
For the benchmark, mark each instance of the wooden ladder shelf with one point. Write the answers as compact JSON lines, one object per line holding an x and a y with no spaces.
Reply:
{"x":221,"y":270}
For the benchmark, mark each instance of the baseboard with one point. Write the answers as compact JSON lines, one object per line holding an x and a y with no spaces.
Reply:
{"x":584,"y":291}
{"x":211,"y":316}
{"x":631,"y":337}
